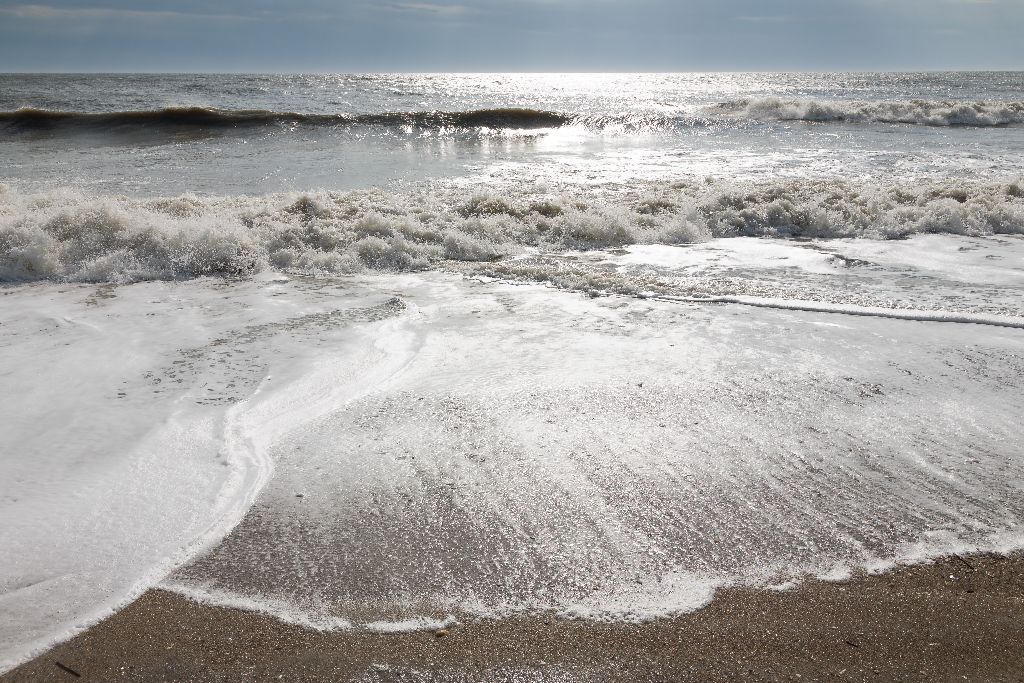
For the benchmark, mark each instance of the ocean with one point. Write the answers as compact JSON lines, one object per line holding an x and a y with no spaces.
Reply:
{"x":389,"y":351}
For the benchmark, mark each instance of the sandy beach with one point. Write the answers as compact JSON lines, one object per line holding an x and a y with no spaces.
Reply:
{"x":567,"y":514}
{"x":511,"y":376}
{"x":961,"y":618}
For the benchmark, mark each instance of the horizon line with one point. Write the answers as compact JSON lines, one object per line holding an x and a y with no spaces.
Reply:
{"x":318,"y":72}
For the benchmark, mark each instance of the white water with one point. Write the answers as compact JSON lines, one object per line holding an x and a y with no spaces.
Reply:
{"x":918,"y":112}
{"x":484,"y":449}
{"x":620,"y":459}
{"x":328,"y":372}
{"x":135,"y":440}
{"x":63,"y":235}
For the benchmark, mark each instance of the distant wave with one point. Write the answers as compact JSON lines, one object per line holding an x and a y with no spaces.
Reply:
{"x":914,"y":112}
{"x":61,"y":235}
{"x":32,"y":120}
{"x":29,"y":119}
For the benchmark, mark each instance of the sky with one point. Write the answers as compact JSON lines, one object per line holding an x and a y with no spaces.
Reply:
{"x":510,"y":35}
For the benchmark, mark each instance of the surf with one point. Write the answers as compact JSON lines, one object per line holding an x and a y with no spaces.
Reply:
{"x":71,"y":236}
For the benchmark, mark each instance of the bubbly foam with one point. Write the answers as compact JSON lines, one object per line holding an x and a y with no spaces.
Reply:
{"x":663,"y":479}
{"x":663,"y":597}
{"x":70,"y":236}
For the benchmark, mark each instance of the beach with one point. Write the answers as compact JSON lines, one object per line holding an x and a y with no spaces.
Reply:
{"x":957,"y":619}
{"x":615,"y":481}
{"x":512,"y":377}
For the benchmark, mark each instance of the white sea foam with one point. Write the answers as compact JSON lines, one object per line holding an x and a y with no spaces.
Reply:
{"x":1016,"y":322}
{"x":282,"y":610}
{"x":408,"y":625}
{"x":659,"y":597}
{"x":916,"y":112}
{"x":94,"y":509}
{"x":487,"y":449}
{"x":311,"y":615}
{"x":680,"y":462}
{"x":73,"y":237}
{"x":623,"y":460}
{"x":139,"y":454}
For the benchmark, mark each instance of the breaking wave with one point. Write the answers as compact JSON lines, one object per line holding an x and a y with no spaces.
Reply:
{"x":64,"y":235}
{"x":30,"y":119}
{"x":914,"y":112}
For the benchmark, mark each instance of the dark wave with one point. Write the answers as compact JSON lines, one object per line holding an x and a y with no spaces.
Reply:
{"x":203,"y":121}
{"x":40,"y":120}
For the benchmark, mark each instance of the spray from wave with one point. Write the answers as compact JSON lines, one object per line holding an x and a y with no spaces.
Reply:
{"x":74,"y":237}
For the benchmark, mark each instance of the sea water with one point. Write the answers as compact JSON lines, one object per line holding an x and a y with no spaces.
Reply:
{"x":381,"y":351}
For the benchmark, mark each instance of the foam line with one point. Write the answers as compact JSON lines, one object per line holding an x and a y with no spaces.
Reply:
{"x":288,"y":613}
{"x":847,"y":309}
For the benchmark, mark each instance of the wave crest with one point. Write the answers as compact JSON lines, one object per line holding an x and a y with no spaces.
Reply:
{"x":914,"y":112}
{"x":28,"y":119}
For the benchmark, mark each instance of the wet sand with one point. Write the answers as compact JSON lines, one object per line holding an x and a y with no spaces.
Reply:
{"x":958,"y":619}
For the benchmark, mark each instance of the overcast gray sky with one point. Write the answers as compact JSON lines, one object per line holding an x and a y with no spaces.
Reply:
{"x":510,"y":35}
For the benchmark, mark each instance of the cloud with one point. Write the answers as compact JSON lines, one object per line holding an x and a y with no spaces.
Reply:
{"x":51,"y":13}
{"x":766,"y":19}
{"x":508,"y":35}
{"x":429,"y":8}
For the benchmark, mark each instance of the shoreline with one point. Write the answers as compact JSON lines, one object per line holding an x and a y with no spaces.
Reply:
{"x":954,"y":619}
